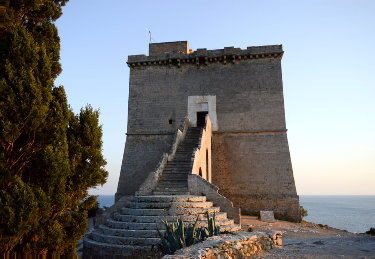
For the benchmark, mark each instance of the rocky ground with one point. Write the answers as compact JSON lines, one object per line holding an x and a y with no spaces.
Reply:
{"x":309,"y":240}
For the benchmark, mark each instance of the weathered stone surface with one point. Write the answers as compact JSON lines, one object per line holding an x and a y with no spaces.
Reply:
{"x":237,"y":245}
{"x":267,"y":216}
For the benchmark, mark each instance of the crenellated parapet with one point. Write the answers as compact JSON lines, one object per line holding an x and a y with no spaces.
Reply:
{"x":204,"y":57}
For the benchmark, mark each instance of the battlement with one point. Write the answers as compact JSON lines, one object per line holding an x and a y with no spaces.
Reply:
{"x":177,"y":53}
{"x":167,"y":47}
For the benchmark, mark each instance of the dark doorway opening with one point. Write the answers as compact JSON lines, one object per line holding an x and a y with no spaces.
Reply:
{"x":201,"y":119}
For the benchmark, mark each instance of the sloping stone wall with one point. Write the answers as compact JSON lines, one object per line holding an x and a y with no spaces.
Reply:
{"x":199,"y":186}
{"x":202,"y":156}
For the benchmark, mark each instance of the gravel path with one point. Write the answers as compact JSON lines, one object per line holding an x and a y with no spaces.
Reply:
{"x":309,"y":240}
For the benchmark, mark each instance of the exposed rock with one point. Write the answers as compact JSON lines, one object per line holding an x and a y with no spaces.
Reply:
{"x":236,"y":245}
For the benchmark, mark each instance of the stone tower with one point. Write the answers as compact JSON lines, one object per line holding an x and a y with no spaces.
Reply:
{"x":242,"y":92}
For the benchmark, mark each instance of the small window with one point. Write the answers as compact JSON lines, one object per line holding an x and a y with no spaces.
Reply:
{"x":170,"y":121}
{"x":200,"y":172}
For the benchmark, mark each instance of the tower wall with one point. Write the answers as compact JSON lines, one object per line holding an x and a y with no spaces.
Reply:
{"x":251,"y":160}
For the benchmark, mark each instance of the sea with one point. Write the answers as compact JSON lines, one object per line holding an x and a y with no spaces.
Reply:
{"x":354,"y":213}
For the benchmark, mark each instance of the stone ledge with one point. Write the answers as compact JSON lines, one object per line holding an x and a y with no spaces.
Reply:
{"x":236,"y":245}
{"x":204,"y":56}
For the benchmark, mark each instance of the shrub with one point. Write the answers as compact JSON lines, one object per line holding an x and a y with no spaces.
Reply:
{"x":304,"y":212}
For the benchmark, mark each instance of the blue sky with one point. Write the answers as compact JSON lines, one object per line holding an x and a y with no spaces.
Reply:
{"x":328,"y":73}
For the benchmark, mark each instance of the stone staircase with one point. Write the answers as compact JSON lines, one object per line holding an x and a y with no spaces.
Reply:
{"x":175,"y":173}
{"x":132,"y":231}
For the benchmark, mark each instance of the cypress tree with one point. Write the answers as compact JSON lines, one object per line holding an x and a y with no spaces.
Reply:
{"x":49,"y":157}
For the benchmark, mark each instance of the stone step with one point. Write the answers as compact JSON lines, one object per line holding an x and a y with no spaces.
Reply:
{"x":186,"y":159}
{"x":133,"y":225}
{"x":174,"y":176}
{"x":172,"y":183}
{"x":165,"y":198}
{"x":166,"y":185}
{"x":176,"y":169}
{"x":176,"y":190}
{"x":121,"y":250}
{"x":178,"y":166}
{"x":167,"y":182}
{"x":172,"y":211}
{"x":171,"y":170}
{"x":171,"y":190}
{"x":192,"y":211}
{"x":176,"y":162}
{"x":183,"y":157}
{"x":128,"y":232}
{"x":188,"y":220}
{"x":143,"y":212}
{"x":171,"y":193}
{"x":181,"y":173}
{"x":180,"y":163}
{"x":188,"y":146}
{"x":163,"y":205}
{"x":182,"y":160}
{"x":219,"y":216}
{"x":118,"y":240}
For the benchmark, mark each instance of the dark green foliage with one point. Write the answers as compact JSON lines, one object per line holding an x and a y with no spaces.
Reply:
{"x":177,"y":236}
{"x":250,"y":229}
{"x":93,"y":207}
{"x":371,"y":232}
{"x":323,"y":226}
{"x":304,"y":212}
{"x":49,"y":156}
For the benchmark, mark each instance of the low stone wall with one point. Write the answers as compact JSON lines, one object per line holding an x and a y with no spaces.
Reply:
{"x":236,"y":245}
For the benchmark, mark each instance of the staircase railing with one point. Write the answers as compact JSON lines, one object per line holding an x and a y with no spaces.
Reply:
{"x":199,"y":183}
{"x":152,"y":179}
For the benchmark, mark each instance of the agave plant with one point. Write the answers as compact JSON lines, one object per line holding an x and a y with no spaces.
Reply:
{"x":213,"y":230}
{"x":177,"y":236}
